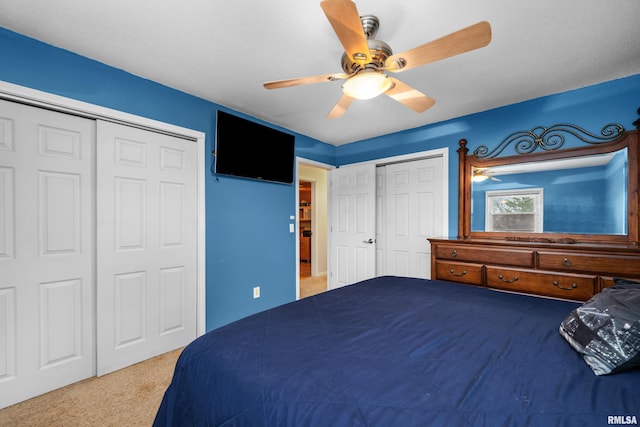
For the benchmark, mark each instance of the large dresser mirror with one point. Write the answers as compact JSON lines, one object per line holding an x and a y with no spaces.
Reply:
{"x":543,"y":192}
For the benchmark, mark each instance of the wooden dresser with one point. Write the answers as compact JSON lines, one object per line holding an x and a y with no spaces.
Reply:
{"x":522,"y":258}
{"x":566,"y":271}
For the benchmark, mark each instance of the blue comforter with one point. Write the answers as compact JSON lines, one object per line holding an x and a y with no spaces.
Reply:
{"x":395,"y":351}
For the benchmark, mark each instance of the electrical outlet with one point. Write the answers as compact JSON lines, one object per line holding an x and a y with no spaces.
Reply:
{"x":256,"y":292}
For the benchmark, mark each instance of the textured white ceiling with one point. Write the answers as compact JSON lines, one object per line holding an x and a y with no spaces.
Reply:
{"x":224,"y":51}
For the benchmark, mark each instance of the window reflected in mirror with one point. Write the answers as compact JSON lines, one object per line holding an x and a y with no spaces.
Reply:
{"x":514,"y":211}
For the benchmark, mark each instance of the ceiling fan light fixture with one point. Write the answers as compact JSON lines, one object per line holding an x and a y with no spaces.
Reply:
{"x":479,"y":177}
{"x":367,"y":84}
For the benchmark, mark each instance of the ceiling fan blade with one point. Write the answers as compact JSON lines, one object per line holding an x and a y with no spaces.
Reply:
{"x":345,"y":20}
{"x":409,"y":96}
{"x":305,"y":80}
{"x":340,"y":107}
{"x":461,"y":41}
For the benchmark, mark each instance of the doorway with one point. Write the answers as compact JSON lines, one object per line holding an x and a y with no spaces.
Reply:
{"x":311,"y":202}
{"x":305,"y":218}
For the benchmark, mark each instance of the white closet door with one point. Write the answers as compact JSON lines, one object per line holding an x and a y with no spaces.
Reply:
{"x":146,"y":243}
{"x":352,"y":228}
{"x":46,"y":251}
{"x":413,"y":213}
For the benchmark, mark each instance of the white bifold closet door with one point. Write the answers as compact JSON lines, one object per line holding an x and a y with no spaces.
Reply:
{"x":98,"y":247}
{"x":409,"y":214}
{"x":46,"y":251}
{"x":146,"y":234}
{"x":352,"y":228}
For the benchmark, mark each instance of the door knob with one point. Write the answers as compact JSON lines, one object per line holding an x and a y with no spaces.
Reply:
{"x":370,"y":241}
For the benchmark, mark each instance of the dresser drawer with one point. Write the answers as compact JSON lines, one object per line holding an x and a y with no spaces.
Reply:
{"x":569,"y":286}
{"x":618,"y":265}
{"x":459,"y":272}
{"x":608,"y":281}
{"x":484,"y":254}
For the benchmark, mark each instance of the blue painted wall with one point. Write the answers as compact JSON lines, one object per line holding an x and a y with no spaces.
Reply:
{"x":247,"y":239}
{"x":247,"y":227}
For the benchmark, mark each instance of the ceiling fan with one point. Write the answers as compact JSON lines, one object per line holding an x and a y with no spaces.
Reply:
{"x":366,"y":61}
{"x":482,"y":174}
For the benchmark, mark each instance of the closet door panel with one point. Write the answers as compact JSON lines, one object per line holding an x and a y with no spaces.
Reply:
{"x":353,"y":228}
{"x":146,"y":244}
{"x":413,"y":194}
{"x":46,"y":251}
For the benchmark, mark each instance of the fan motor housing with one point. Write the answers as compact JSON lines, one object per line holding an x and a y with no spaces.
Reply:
{"x":370,"y":25}
{"x":379,"y":50}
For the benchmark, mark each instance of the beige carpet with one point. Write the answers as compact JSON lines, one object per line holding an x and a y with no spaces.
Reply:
{"x":129,"y":397}
{"x":312,"y":285}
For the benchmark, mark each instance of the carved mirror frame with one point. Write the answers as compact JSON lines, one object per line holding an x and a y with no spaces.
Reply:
{"x":550,"y":141}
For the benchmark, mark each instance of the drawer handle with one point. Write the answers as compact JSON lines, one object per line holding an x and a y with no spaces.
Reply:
{"x":454,"y":253}
{"x":566,"y":262}
{"x":557,"y":285}
{"x":453,"y":273}
{"x":501,"y":277}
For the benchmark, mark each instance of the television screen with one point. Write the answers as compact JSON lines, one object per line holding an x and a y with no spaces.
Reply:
{"x":250,"y":150}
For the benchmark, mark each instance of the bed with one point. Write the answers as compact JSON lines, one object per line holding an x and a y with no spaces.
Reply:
{"x":393,"y":351}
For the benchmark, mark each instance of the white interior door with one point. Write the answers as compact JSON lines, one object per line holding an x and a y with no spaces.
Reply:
{"x":146,"y":242}
{"x":46,"y":251}
{"x":352,"y":224}
{"x":413,"y":197}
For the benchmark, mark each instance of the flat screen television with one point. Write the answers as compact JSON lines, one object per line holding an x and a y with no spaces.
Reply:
{"x":250,"y":150}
